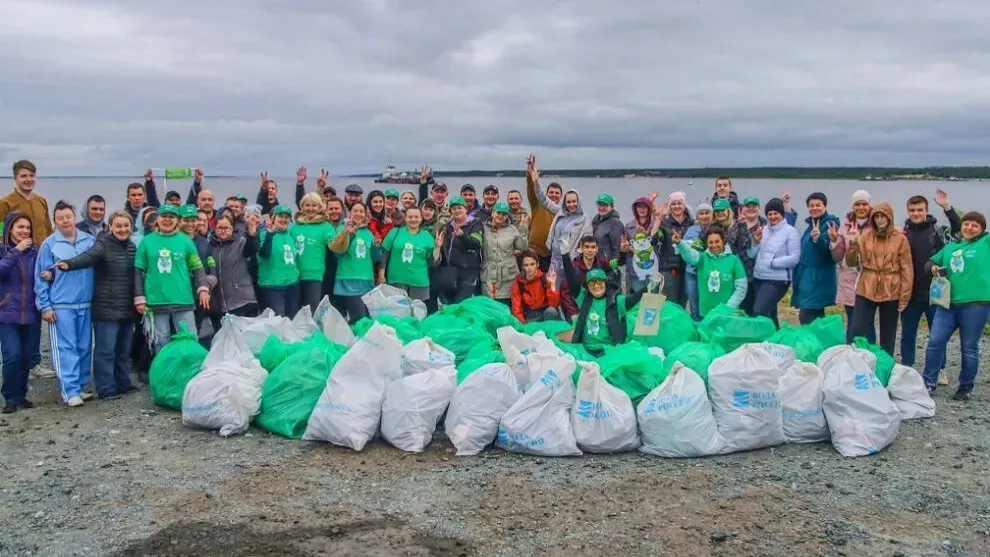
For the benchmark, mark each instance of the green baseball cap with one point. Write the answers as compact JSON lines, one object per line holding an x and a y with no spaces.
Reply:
{"x":751,"y":200}
{"x":168,"y":210}
{"x":720,"y":204}
{"x":282,"y":210}
{"x":595,"y":274}
{"x":392,"y":193}
{"x":241,"y":197}
{"x":605,"y":199}
{"x":188,"y":211}
{"x":458,"y":200}
{"x":502,"y":207}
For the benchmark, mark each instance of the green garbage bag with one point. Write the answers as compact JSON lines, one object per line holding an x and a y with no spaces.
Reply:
{"x":885,"y":362}
{"x":461,"y":340}
{"x":174,"y":366}
{"x":695,"y":355}
{"x":805,"y":343}
{"x":549,"y":328}
{"x":633,"y":369}
{"x":471,"y":365}
{"x":483,"y":312}
{"x":275,"y":351}
{"x":484,"y":347}
{"x":439,"y":321}
{"x":676,"y":328}
{"x":291,"y":391}
{"x":406,"y":328}
{"x":575,"y":350}
{"x":829,"y":330}
{"x":731,"y":328}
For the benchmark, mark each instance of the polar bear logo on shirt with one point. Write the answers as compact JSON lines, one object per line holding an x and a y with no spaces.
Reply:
{"x":288,"y":256}
{"x":300,"y":244}
{"x":165,"y":261}
{"x":407,"y":253}
{"x":360,"y":248}
{"x":957,"y":263}
{"x":594,"y":323}
{"x":714,"y":281}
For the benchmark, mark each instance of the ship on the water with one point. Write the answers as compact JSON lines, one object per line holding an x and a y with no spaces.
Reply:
{"x":391,"y":176}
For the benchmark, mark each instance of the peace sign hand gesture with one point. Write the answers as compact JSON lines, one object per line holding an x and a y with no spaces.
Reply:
{"x":264,"y":178}
{"x":853,"y":233}
{"x":323,"y":180}
{"x":815,"y":231}
{"x":833,"y":232}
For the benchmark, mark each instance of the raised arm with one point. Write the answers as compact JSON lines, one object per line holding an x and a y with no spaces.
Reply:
{"x":89,"y":258}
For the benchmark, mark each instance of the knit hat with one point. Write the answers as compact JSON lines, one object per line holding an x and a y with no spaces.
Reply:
{"x":594,"y":274}
{"x":862,"y":195}
{"x":677,"y":196}
{"x":775,"y":204}
{"x":721,"y":204}
{"x":703,"y":207}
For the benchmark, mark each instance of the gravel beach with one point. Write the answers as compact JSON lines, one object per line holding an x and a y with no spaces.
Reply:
{"x":124,"y":477}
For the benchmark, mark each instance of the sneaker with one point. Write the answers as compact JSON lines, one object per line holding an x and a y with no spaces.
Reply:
{"x":88,"y":396}
{"x":8,"y":409}
{"x":960,"y":395}
{"x":38,"y":372}
{"x":931,"y":389}
{"x":109,"y":396}
{"x":943,"y":378}
{"x":75,"y":401}
{"x":27,"y":405}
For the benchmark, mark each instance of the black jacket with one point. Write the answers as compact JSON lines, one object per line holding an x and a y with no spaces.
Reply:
{"x":616,"y":325}
{"x":667,"y":256}
{"x":464,"y":251}
{"x":926,"y":239}
{"x":112,"y":261}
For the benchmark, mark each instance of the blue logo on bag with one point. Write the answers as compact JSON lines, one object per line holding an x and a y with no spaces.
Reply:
{"x":866,"y":381}
{"x":649,"y":316}
{"x":755,"y":399}
{"x":590,"y":410}
{"x":518,"y":440}
{"x":550,"y":380}
{"x":740,"y":399}
{"x":666,"y":403}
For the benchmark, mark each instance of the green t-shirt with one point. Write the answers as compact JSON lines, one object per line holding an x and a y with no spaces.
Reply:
{"x":966,"y":264}
{"x":279,"y":269}
{"x":167,"y":261}
{"x":596,"y":333}
{"x":311,"y":248}
{"x":358,"y":262}
{"x":717,"y":275}
{"x":409,"y":256}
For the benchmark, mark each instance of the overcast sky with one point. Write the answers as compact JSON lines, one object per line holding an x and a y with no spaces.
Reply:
{"x":115,"y":86}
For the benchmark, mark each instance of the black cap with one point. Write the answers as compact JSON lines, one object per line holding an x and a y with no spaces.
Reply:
{"x":491,"y":187}
{"x":439,"y":186}
{"x":467,"y":187}
{"x":354,"y":189}
{"x":173,"y":193}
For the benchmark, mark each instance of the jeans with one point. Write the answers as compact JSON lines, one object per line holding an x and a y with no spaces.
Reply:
{"x":870,"y":334}
{"x":351,"y":308}
{"x":71,"y":337}
{"x":310,"y":293}
{"x":166,"y":323}
{"x":806,"y":316}
{"x":970,"y":319}
{"x":910,"y":319}
{"x":111,"y":356}
{"x":541,"y":315}
{"x":283,"y":300}
{"x":766,"y":295}
{"x":691,"y":285}
{"x":862,"y":321}
{"x":16,"y":342}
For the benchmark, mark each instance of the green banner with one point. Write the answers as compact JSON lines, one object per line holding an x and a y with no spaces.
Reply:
{"x":178,"y":173}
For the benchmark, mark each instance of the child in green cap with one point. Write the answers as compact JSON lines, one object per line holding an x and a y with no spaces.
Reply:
{"x":278,"y":273}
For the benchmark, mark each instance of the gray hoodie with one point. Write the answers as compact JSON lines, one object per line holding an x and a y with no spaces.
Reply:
{"x":573,"y":226}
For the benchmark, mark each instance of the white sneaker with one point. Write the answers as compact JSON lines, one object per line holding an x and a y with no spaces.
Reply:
{"x":38,"y":372}
{"x":88,"y":396}
{"x":75,"y":401}
{"x":943,"y":378}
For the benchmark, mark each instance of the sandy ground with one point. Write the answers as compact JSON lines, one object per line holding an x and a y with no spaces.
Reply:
{"x":123,"y":477}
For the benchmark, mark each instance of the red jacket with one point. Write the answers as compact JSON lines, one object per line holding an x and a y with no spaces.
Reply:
{"x":379,"y":231}
{"x":535,"y":294}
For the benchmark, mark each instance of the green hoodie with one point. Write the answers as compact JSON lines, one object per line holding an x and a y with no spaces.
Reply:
{"x":721,"y":277}
{"x":311,"y":241}
{"x":277,"y":266}
{"x":167,"y":261}
{"x":966,"y":263}
{"x":358,"y":262}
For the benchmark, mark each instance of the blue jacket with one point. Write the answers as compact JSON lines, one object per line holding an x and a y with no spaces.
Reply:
{"x":816,"y":281}
{"x":17,"y":279}
{"x":779,"y":252}
{"x":69,"y":289}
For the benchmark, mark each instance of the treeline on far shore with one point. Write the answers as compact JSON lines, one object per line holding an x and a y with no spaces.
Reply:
{"x":781,"y":172}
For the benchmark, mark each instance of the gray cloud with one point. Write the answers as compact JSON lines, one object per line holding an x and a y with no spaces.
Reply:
{"x":108,"y":86}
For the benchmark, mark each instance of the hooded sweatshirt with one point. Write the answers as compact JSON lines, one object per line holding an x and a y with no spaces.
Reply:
{"x":573,"y":226}
{"x":608,"y":230}
{"x":926,"y":239}
{"x":68,"y":290}
{"x":887,"y":271}
{"x":17,"y":305}
{"x":93,"y":228}
{"x":140,"y":231}
{"x":965,"y":263}
{"x":721,"y":277}
{"x":643,"y":260}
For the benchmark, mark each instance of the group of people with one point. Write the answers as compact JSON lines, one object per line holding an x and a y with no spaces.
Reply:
{"x":113,"y":289}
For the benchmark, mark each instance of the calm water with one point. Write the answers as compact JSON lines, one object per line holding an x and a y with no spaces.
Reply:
{"x":964,"y":195}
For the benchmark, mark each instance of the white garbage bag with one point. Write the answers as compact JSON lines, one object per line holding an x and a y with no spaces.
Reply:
{"x":521,"y":345}
{"x":301,"y":327}
{"x":604,"y":419}
{"x":423,"y":355}
{"x":350,"y":407}
{"x":861,"y":417}
{"x":256,"y":330}
{"x":801,"y":396}
{"x":321,"y":311}
{"x":907,"y":389}
{"x":783,"y":355}
{"x":744,"y":388}
{"x":413,"y":407}
{"x":539,"y":423}
{"x":419,"y":309}
{"x":229,"y":346}
{"x":869,"y":357}
{"x":335,"y":327}
{"x":386,"y":298}
{"x":531,"y":368}
{"x":477,"y":407}
{"x":676,"y":420}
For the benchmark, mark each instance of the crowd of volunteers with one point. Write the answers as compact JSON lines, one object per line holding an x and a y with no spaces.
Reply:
{"x":114,"y":287}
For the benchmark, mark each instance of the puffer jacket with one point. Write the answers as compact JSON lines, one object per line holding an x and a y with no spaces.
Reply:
{"x":463,"y":252}
{"x":17,"y":305}
{"x":500,"y":266}
{"x":885,"y":259}
{"x":848,"y":275}
{"x":532,"y":294}
{"x":926,"y":239}
{"x":815,"y":284}
{"x":573,"y":226}
{"x":608,"y":230}
{"x":778,"y":253}
{"x":234,"y":288}
{"x":669,"y":257}
{"x":112,"y":261}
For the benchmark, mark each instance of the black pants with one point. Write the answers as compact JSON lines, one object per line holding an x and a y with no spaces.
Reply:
{"x":310,"y":293}
{"x":749,"y":302}
{"x":766,"y":295}
{"x":544,"y":263}
{"x":806,"y":316}
{"x":673,"y":286}
{"x":351,"y":307}
{"x":250,"y":310}
{"x":862,"y":321}
{"x":468,"y":285}
{"x":870,"y":335}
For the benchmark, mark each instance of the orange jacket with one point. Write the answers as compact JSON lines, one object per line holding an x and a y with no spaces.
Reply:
{"x":886,"y":269}
{"x":529,"y":295}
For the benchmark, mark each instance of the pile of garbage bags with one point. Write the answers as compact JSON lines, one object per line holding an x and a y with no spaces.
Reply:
{"x":729,"y":383}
